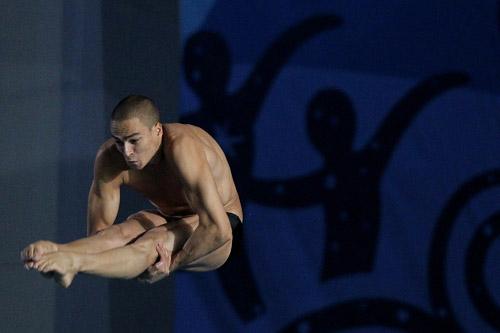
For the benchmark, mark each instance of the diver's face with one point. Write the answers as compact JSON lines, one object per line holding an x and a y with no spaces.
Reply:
{"x":135,"y":141}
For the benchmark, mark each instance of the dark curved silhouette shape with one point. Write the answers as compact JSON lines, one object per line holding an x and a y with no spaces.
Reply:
{"x":486,"y":234}
{"x":394,"y":314}
{"x":207,"y":66}
{"x":368,"y":312}
{"x":404,"y":111}
{"x":348,"y":185}
{"x":437,"y":256}
{"x":309,"y":189}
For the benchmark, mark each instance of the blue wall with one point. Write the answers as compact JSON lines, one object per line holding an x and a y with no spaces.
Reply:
{"x":363,"y":137}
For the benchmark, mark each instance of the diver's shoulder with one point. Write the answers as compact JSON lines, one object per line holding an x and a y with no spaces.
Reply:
{"x":181,"y":127}
{"x":180,"y":133}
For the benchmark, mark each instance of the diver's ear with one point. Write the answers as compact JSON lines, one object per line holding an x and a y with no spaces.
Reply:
{"x":158,"y":128}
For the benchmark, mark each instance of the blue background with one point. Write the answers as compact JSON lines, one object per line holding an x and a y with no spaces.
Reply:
{"x":367,"y":237}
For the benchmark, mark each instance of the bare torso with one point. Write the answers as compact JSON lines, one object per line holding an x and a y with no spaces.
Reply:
{"x":159,"y":182}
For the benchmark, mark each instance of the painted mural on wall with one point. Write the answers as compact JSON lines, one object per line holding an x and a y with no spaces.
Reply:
{"x":342,"y":188}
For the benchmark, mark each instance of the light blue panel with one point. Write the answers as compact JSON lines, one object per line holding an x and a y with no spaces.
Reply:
{"x":30,"y":109}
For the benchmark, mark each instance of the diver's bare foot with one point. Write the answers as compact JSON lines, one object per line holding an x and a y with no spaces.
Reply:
{"x":63,"y":264}
{"x":34,"y":251}
{"x":64,"y":280}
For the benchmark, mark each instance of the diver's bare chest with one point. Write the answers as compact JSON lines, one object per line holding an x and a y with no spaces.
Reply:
{"x":162,"y":187}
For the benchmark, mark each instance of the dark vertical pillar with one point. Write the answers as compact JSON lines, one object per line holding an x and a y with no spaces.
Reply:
{"x":140,"y":56}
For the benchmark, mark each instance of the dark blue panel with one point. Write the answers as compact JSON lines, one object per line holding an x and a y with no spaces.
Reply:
{"x":354,"y":131}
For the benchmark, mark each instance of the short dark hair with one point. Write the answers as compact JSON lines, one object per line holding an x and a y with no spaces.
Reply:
{"x":137,"y":106}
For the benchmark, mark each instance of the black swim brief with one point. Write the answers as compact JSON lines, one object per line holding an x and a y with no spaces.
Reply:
{"x":234,"y":220}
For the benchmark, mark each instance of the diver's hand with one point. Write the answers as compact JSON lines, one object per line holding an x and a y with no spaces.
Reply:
{"x":159,"y":270}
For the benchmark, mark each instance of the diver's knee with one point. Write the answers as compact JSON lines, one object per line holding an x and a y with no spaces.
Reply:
{"x":147,"y":247}
{"x":147,"y":243}
{"x":113,"y":235}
